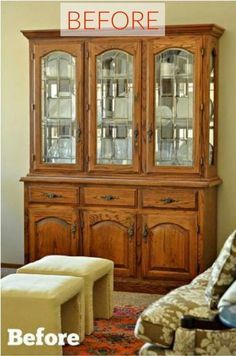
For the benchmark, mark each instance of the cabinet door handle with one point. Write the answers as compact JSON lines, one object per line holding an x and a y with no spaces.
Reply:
{"x":149,"y":134}
{"x":109,"y":197}
{"x":168,"y":200}
{"x":136,"y":133}
{"x":53,"y":195}
{"x":73,"y":229}
{"x":131,"y":232}
{"x":145,"y":233}
{"x":78,"y":134}
{"x":139,"y":259}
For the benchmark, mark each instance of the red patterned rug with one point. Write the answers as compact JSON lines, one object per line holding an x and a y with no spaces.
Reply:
{"x":111,"y":337}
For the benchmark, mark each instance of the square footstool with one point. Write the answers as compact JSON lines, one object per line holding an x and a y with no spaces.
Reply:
{"x":29,"y":302}
{"x":98,"y":281}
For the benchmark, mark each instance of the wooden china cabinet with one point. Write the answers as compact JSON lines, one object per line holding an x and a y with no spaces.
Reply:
{"x":123,"y":152}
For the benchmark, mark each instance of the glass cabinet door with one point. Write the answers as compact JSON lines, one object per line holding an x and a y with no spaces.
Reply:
{"x":171,"y":135}
{"x":115,"y":100}
{"x":174,"y":100}
{"x":58,"y":108}
{"x":60,"y":116}
{"x":211,"y":112}
{"x":116,"y":131}
{"x":211,"y":155}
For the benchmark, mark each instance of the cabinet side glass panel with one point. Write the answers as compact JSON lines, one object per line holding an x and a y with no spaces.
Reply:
{"x":58,"y":124}
{"x":211,"y":109}
{"x":114,"y":88}
{"x":174,"y":108}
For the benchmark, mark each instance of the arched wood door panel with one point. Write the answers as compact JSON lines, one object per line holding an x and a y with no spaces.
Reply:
{"x":111,"y":235}
{"x":53,"y":231}
{"x":169,"y":245}
{"x":53,"y":237}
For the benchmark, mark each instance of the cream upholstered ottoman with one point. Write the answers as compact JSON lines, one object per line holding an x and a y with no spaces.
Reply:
{"x":98,"y":281}
{"x":29,"y":302}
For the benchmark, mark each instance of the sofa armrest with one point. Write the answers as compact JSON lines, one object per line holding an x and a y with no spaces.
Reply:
{"x":193,"y":322}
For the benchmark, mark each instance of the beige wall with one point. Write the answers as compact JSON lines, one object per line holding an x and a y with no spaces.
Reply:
{"x":15,"y":101}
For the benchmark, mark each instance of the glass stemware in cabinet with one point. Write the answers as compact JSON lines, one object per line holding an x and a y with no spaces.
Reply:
{"x":174,"y":102}
{"x":114,"y":107}
{"x":58,"y":108}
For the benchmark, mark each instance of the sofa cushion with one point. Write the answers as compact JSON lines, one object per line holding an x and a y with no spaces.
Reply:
{"x":158,"y":323}
{"x":205,"y":342}
{"x":196,"y":342}
{"x":223,"y":272}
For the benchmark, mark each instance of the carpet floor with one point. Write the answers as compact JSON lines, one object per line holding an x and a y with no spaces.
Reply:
{"x":111,"y":337}
{"x":134,"y":299}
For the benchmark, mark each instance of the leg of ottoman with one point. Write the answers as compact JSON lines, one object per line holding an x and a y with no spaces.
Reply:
{"x":73,"y":316}
{"x":103,"y":297}
{"x":98,"y":300}
{"x":88,"y":307}
{"x":29,"y":315}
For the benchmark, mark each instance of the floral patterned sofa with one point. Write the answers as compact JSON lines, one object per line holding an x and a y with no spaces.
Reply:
{"x":165,"y":330}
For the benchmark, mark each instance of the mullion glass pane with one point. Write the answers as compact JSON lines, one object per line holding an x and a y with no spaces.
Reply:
{"x":58,"y":108}
{"x":114,"y":108}
{"x":174,"y":103}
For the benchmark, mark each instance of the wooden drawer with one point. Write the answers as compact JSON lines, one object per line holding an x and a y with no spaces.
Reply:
{"x":109,"y":196}
{"x":169,"y":199}
{"x":53,"y":194}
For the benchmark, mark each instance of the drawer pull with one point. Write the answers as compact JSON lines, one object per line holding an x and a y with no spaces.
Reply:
{"x":131,"y":232}
{"x":109,"y":197}
{"x":149,"y":134}
{"x":139,"y":259}
{"x":136,"y":133}
{"x":145,"y":233}
{"x":78,"y":134}
{"x":73,"y":229}
{"x":53,"y":195}
{"x":169,"y":200}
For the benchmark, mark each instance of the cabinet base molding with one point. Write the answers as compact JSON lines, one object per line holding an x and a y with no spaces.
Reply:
{"x":10,"y":265}
{"x":146,"y":286}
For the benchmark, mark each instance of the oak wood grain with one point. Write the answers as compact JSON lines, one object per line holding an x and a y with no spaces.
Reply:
{"x":111,"y":234}
{"x":188,"y":29}
{"x":53,"y":194}
{"x":169,"y":198}
{"x":109,"y":196}
{"x":157,"y":181}
{"x":169,"y":245}
{"x":52,"y":230}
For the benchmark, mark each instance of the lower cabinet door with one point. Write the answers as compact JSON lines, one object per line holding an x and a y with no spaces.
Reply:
{"x":112,"y":235}
{"x":169,"y":245}
{"x":53,"y":230}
